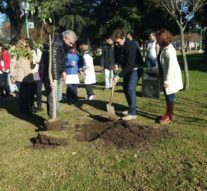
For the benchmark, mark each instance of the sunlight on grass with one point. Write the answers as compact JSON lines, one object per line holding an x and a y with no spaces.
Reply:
{"x":175,"y":163}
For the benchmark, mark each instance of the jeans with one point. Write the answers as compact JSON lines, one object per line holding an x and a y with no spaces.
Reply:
{"x":50,"y":97}
{"x":109,"y":74}
{"x":129,"y":87}
{"x":170,"y":98}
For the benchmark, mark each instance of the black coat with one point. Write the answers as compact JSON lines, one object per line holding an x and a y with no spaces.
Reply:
{"x":129,"y":57}
{"x":108,"y":57}
{"x":58,"y":59}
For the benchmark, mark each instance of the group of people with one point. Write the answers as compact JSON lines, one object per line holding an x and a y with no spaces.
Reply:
{"x":30,"y":68}
{"x":161,"y":55}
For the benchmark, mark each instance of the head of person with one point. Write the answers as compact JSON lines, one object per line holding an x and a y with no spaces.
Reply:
{"x":84,"y":47}
{"x":109,"y":40}
{"x":130,"y":35}
{"x":70,"y":38}
{"x":118,"y":37}
{"x":164,"y":37}
{"x":152,"y":36}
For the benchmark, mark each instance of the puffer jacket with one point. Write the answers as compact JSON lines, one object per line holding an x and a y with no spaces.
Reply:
{"x":58,"y":59}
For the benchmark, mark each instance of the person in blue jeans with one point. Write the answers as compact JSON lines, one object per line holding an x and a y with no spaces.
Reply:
{"x":130,"y":60}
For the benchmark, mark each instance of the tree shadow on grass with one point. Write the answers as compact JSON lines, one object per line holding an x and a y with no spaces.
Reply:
{"x":11,"y":105}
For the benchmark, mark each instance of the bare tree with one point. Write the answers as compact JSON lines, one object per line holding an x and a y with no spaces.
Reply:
{"x":182,"y":11}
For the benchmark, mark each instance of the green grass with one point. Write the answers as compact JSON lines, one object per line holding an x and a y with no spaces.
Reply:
{"x":176,"y":163}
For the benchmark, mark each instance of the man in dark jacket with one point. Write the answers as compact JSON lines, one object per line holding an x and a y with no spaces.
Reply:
{"x":58,"y":67}
{"x":130,"y":59}
{"x":107,"y":61}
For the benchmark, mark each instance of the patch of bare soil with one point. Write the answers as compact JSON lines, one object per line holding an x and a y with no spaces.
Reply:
{"x":44,"y":141}
{"x":122,"y":134}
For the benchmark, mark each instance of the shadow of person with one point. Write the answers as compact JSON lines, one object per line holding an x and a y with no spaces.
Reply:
{"x":147,"y":115}
{"x":101,"y":105}
{"x":97,"y":104}
{"x":12,"y":107}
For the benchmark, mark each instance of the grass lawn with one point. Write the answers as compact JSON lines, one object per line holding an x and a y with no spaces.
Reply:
{"x":176,"y":163}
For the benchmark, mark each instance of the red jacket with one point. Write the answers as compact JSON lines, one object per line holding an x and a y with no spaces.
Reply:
{"x":6,"y":59}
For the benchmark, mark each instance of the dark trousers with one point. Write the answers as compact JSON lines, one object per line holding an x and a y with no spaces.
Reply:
{"x":129,"y":88}
{"x":89,"y":89}
{"x":25,"y":97}
{"x":37,"y":90}
{"x":72,"y":92}
{"x":4,"y":86}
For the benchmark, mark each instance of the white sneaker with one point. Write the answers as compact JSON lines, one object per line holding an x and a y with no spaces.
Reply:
{"x":129,"y":117}
{"x":124,"y":112}
{"x":92,"y":97}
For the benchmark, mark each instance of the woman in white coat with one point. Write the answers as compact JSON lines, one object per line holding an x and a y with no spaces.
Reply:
{"x":170,"y":73}
{"x":89,"y":71}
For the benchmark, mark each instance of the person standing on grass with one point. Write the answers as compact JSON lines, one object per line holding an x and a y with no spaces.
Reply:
{"x":23,"y":76}
{"x":72,"y":66}
{"x":4,"y":71}
{"x":152,"y":51}
{"x":58,"y":67}
{"x":36,"y":56}
{"x":170,"y":73}
{"x":88,"y":70}
{"x":130,"y":60}
{"x":108,"y":61}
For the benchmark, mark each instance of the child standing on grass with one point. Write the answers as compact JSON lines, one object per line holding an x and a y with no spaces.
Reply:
{"x":88,"y":70}
{"x":72,"y":66}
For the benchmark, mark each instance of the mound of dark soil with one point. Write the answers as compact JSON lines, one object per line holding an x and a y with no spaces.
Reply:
{"x":44,"y":141}
{"x":122,"y":134}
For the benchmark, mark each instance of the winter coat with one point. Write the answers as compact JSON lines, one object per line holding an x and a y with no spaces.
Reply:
{"x":171,"y":70}
{"x":129,"y":56}
{"x":108,"y":57}
{"x":5,"y":62}
{"x":88,"y":68}
{"x":58,"y":59}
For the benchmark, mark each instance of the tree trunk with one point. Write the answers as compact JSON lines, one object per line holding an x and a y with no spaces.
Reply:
{"x":15,"y":22}
{"x":205,"y":50}
{"x":185,"y":63}
{"x":52,"y":81}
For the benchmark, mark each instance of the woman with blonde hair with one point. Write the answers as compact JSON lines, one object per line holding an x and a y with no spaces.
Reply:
{"x":23,"y":75}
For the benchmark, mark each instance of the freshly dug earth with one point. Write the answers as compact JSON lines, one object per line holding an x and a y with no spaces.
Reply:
{"x":122,"y":134}
{"x":45,"y":141}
